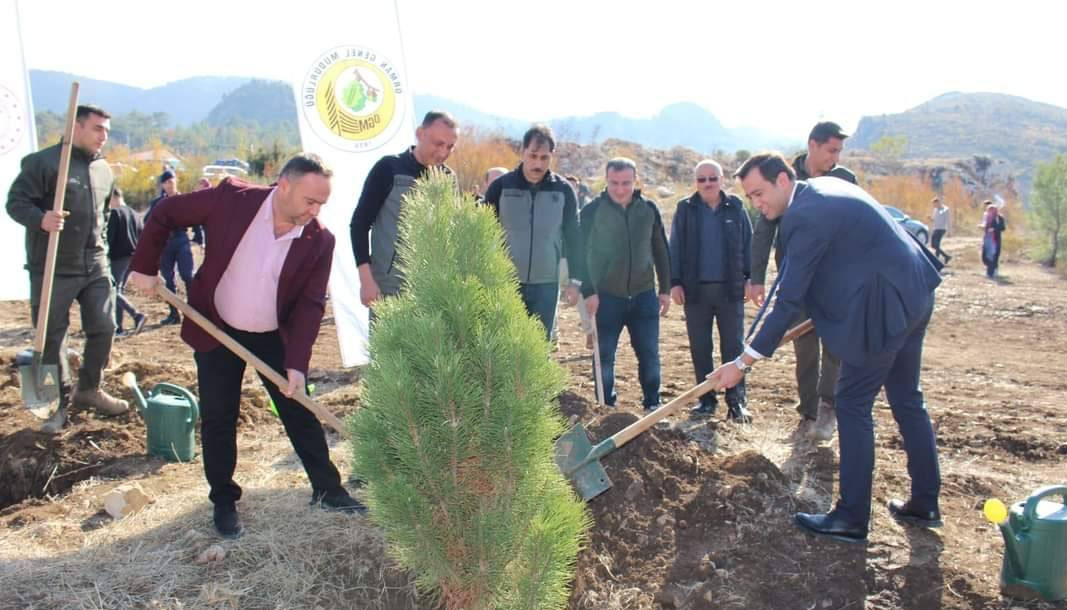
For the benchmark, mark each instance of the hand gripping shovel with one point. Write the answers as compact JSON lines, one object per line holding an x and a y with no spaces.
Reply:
{"x":261,"y":367}
{"x":39,"y":381}
{"x":579,"y":460}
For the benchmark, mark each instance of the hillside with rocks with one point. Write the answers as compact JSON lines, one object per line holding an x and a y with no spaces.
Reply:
{"x":1019,"y":131}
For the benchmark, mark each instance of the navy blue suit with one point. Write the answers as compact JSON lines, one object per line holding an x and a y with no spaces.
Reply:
{"x":868,"y":287}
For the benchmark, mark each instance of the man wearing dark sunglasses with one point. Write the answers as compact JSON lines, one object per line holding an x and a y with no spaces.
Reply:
{"x":710,"y":266}
{"x":816,"y":373}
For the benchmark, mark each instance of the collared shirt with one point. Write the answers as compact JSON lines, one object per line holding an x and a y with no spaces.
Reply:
{"x":748,"y":348}
{"x":247,"y":295}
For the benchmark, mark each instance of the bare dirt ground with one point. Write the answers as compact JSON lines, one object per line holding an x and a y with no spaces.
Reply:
{"x":699,"y":515}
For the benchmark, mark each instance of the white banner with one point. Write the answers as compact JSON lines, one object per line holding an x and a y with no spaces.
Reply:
{"x":354,"y":104}
{"x":18,"y":138}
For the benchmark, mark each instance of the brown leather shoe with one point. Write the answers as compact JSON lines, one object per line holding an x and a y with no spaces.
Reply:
{"x":102,"y":402}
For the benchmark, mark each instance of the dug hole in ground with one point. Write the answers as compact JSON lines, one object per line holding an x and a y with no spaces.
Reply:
{"x":699,"y":516}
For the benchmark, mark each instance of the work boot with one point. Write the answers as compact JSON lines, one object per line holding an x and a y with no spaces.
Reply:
{"x":825,"y":423}
{"x":804,"y":428}
{"x":100,"y":401}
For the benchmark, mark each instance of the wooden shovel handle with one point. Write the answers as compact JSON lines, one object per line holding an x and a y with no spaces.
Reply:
{"x":597,"y":374}
{"x":45,"y":298}
{"x":262,"y":367}
{"x":623,"y":436}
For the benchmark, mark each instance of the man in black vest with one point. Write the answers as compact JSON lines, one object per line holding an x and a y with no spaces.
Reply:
{"x":376,"y":220}
{"x":710,"y":265}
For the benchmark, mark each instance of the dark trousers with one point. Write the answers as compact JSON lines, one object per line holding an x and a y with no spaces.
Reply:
{"x":640,"y":316}
{"x":713,"y":306}
{"x":935,"y":241}
{"x":897,"y":370}
{"x":540,"y":300}
{"x":177,"y":253}
{"x":219,"y":374}
{"x":992,"y":262}
{"x":119,"y":269}
{"x":817,"y":371}
{"x":96,"y":297}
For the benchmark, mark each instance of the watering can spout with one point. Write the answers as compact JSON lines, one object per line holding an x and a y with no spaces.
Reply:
{"x":997,"y":514}
{"x":1011,"y":548}
{"x":130,"y":381}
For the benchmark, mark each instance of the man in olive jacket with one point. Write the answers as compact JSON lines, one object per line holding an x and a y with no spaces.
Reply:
{"x":627,"y":280}
{"x":82,"y":271}
{"x":816,"y":373}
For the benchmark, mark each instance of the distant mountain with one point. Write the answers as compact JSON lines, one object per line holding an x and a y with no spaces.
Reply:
{"x":264,"y":102}
{"x":680,"y":124}
{"x":185,"y":101}
{"x":1019,"y":131}
{"x":222,"y":99}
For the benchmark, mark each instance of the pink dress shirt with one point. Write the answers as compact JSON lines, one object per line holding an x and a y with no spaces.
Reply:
{"x":247,"y":294}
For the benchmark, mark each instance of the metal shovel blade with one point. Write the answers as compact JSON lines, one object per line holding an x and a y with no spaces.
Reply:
{"x":40,"y":385}
{"x":579,"y":461}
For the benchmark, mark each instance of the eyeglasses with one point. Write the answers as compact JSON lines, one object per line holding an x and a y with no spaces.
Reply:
{"x":703,"y":179}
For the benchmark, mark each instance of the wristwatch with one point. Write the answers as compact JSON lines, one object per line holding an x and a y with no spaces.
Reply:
{"x":741,"y":366}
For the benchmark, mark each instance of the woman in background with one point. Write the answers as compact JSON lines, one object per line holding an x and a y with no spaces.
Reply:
{"x":993,"y":223}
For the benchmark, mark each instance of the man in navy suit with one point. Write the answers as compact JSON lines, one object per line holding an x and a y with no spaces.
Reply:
{"x":869,"y":289}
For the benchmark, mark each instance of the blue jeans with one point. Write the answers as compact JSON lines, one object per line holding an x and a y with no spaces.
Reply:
{"x":640,"y":315}
{"x":540,"y":301}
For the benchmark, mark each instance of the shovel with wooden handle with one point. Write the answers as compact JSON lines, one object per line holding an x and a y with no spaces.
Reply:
{"x":40,"y":381}
{"x":261,"y":367}
{"x":589,"y":328}
{"x":579,"y":460}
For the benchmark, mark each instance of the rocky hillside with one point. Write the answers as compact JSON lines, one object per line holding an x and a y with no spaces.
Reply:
{"x":1016,"y":130}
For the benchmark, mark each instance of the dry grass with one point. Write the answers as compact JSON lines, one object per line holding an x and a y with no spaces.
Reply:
{"x":291,"y":555}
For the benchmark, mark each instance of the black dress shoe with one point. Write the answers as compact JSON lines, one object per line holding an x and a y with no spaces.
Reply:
{"x":338,"y":501}
{"x":904,"y":511}
{"x":738,"y":414}
{"x":227,"y":523}
{"x":706,"y":409}
{"x":832,"y":526}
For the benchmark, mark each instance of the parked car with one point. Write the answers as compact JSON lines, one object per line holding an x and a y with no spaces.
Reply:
{"x":213,"y":172}
{"x":916,"y":228}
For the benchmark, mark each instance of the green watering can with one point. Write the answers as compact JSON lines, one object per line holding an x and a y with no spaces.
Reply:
{"x":1035,"y":541}
{"x":170,"y":413}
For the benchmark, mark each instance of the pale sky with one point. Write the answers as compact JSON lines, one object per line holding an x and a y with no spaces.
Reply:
{"x":780,"y":68}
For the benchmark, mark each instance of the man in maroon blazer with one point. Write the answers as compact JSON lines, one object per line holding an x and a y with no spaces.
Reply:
{"x":263,"y":281}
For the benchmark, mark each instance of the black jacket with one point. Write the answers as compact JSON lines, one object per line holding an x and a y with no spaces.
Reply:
{"x":685,"y":243}
{"x":124,"y":228}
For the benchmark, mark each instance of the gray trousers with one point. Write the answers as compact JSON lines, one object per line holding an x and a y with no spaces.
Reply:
{"x":816,"y":377}
{"x":96,"y":296}
{"x":715,"y":309}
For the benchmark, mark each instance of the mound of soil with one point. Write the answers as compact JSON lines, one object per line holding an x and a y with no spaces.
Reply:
{"x":683,"y":528}
{"x":35,"y":465}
